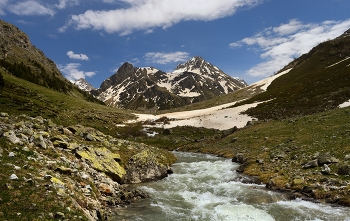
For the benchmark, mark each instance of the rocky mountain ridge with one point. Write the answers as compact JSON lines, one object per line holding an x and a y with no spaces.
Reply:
{"x":149,"y":88}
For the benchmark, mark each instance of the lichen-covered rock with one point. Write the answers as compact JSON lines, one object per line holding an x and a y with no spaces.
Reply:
{"x":144,"y":166}
{"x":102,"y":159}
{"x":11,"y":136}
{"x":311,"y":164}
{"x":344,"y":170}
{"x":239,"y":158}
{"x":297,"y":181}
{"x":326,"y":158}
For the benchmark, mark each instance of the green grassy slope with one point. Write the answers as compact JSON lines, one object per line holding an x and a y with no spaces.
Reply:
{"x":312,"y":86}
{"x":22,"y":97}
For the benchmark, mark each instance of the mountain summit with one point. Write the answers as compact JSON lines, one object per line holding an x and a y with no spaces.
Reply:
{"x":149,"y":88}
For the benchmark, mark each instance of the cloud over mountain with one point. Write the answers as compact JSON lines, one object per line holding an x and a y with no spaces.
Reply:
{"x":71,"y":71}
{"x":279,"y":45}
{"x":164,"y":58}
{"x":150,"y":14}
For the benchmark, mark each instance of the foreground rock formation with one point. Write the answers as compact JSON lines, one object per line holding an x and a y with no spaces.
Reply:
{"x":79,"y":171}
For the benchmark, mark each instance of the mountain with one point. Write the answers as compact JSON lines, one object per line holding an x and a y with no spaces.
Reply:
{"x":84,"y":85}
{"x":19,"y":57}
{"x":317,"y":81}
{"x":149,"y":88}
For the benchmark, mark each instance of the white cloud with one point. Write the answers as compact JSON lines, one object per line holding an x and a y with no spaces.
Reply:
{"x":3,"y":4}
{"x":71,"y":71}
{"x":64,"y":3}
{"x":82,"y":57}
{"x":149,"y":14}
{"x":30,"y":7}
{"x":280,"y":45}
{"x":164,"y":58}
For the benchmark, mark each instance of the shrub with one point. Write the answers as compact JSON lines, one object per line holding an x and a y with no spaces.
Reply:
{"x":2,"y":81}
{"x":131,"y":130}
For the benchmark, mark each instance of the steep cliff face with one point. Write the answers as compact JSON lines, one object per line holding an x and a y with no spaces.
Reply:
{"x":15,"y":46}
{"x":21,"y":58}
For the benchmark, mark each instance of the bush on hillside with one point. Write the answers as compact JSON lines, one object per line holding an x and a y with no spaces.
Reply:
{"x":2,"y":81}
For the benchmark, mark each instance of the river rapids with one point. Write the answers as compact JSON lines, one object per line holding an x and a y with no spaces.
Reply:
{"x":203,"y":187}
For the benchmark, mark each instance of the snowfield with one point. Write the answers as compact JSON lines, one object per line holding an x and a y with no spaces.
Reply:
{"x":220,"y":117}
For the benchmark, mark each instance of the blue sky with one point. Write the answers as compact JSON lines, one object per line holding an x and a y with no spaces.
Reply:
{"x":250,"y":39}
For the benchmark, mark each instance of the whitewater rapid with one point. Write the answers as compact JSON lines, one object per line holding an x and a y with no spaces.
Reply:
{"x":203,"y":187}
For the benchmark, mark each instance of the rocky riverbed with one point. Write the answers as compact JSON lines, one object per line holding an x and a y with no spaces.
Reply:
{"x":72,"y":172}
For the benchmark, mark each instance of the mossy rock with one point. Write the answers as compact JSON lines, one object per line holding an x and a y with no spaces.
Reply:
{"x":102,"y":159}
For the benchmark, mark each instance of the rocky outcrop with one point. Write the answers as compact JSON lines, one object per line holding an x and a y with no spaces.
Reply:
{"x":103,"y":160}
{"x":144,"y":167}
{"x":83,"y":166}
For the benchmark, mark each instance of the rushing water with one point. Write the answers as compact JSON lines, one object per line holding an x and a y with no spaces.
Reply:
{"x":202,"y":188}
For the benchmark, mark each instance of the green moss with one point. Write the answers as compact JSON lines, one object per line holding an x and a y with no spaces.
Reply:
{"x":103,"y":160}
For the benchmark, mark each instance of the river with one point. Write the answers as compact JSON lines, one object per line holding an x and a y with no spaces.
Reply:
{"x":203,"y":188}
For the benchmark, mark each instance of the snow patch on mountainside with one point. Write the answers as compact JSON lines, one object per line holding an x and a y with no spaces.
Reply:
{"x":338,"y":62}
{"x":265,"y":83}
{"x":345,"y":104}
{"x":219,"y":117}
{"x":188,"y":93}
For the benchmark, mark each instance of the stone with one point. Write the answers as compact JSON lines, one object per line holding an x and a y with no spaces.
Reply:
{"x":144,"y":166}
{"x":39,"y":140}
{"x":3,"y":114}
{"x":326,"y":169}
{"x":228,"y":132}
{"x":89,"y":137}
{"x":28,"y":131}
{"x":65,"y":131}
{"x":72,"y":129}
{"x":311,"y":164}
{"x":11,"y":154}
{"x":50,"y":123}
{"x":57,"y":182}
{"x":62,"y":137}
{"x":59,"y":215}
{"x":297,"y":181}
{"x":11,"y":136}
{"x":64,"y":170}
{"x":347,"y":157}
{"x":344,"y":170}
{"x":239,"y":158}
{"x":259,"y":161}
{"x":106,"y":189}
{"x":326,"y":158}
{"x":270,"y":184}
{"x":103,"y":162}
{"x":61,"y":144}
{"x":13,"y":177}
{"x":73,"y":146}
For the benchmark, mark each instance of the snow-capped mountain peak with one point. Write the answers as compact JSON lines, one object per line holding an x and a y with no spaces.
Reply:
{"x":147,"y":87}
{"x":83,"y":85}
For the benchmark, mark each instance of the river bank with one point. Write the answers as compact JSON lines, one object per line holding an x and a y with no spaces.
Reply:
{"x":206,"y":187}
{"x":50,"y":171}
{"x":308,"y":156}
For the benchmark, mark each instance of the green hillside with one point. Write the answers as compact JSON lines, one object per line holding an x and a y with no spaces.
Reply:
{"x":19,"y":96}
{"x":319,"y":81}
